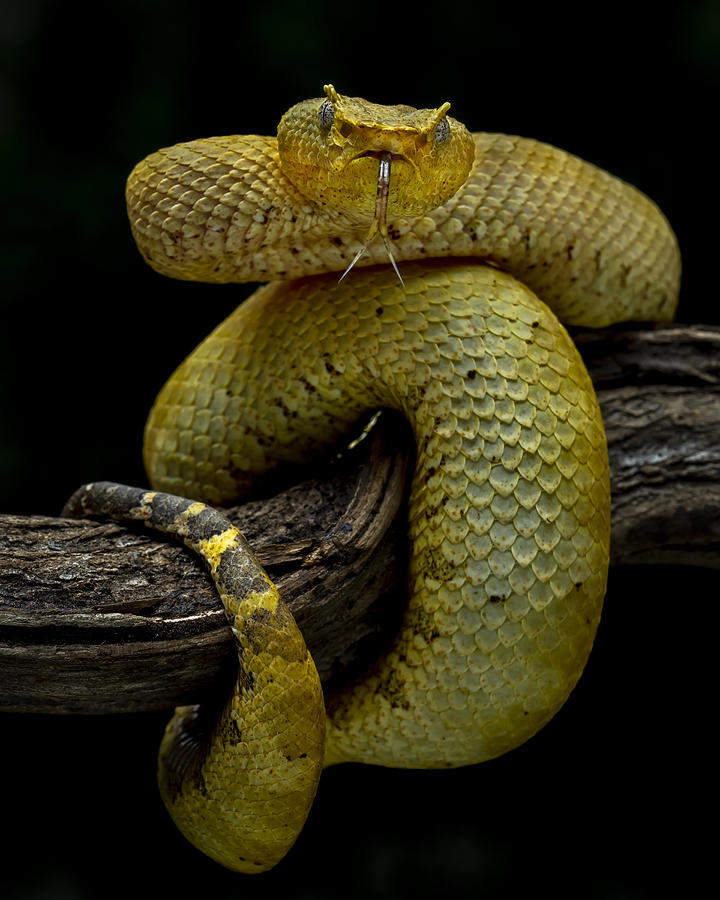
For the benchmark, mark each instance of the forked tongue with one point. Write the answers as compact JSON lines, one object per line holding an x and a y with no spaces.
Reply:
{"x":379,"y":222}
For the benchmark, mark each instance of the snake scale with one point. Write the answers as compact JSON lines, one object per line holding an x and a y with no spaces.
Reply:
{"x":509,"y":510}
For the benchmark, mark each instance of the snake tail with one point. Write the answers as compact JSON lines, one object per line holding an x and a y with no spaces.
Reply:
{"x":241,"y":807}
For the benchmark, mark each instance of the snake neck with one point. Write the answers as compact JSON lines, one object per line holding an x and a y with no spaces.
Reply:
{"x":592,"y":247}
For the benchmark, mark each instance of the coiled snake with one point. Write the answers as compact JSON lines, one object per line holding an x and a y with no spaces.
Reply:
{"x":509,"y":508}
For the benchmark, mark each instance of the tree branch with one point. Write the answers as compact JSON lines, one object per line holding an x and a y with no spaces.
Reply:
{"x":97,"y":617}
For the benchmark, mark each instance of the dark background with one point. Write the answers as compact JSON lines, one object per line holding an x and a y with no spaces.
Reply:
{"x":605,"y":802}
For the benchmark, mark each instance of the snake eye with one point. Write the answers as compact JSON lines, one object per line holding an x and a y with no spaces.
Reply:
{"x":442,"y":131}
{"x":326,"y":113}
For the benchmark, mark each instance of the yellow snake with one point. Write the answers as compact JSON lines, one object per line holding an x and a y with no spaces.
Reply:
{"x":510,"y":507}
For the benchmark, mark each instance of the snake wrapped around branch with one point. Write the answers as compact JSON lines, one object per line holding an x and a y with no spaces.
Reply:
{"x":509,"y":509}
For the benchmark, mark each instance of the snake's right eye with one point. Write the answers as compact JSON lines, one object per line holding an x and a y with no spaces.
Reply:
{"x":442,"y":131}
{"x":326,"y":113}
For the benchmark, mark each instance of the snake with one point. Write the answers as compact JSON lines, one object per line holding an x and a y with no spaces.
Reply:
{"x":407,"y":264}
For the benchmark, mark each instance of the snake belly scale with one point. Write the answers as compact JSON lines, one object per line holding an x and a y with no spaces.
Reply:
{"x":509,"y":512}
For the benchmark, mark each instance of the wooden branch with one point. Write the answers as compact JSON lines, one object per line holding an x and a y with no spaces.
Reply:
{"x":102,"y":617}
{"x":97,"y":617}
{"x":659,"y":391}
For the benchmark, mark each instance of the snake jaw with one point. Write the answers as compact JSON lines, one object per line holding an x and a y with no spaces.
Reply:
{"x":379,"y":222}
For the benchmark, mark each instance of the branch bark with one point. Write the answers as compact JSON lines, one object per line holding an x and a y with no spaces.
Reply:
{"x":100,"y":618}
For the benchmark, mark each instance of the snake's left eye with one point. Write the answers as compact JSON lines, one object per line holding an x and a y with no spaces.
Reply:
{"x":442,"y":131}
{"x":326,"y":113}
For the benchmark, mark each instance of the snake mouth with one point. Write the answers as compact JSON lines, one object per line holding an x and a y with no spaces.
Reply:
{"x":387,"y":155}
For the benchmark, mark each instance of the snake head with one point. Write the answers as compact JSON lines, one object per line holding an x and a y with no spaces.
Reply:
{"x":331,"y":147}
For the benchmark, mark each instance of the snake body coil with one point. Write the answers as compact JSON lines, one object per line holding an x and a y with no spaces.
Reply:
{"x":510,"y":506}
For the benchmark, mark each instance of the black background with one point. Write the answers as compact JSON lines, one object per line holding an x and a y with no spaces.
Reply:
{"x":604,"y":803}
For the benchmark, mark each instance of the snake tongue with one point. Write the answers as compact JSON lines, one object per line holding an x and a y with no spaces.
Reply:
{"x":379,"y":222}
